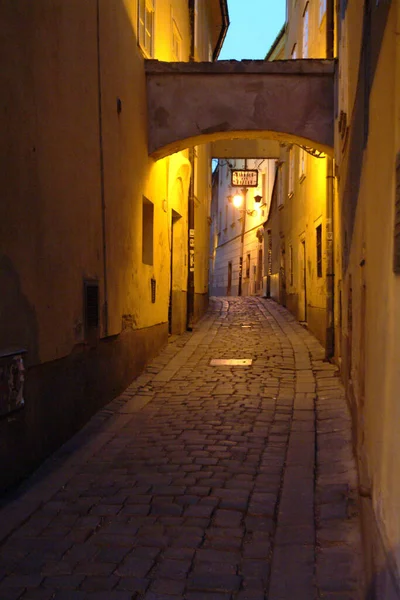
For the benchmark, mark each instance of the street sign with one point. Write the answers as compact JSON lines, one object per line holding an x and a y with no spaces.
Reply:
{"x":244,"y":178}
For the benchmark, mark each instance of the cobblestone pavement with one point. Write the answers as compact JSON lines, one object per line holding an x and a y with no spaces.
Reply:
{"x":200,"y":482}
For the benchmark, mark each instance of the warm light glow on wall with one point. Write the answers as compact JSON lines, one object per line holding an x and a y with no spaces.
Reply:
{"x":237,"y":200}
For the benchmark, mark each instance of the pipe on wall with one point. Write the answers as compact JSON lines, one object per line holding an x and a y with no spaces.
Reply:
{"x":330,"y":275}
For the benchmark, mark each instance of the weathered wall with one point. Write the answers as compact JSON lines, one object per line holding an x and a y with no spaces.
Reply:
{"x":247,"y":99}
{"x":371,"y":291}
{"x":75,"y":169}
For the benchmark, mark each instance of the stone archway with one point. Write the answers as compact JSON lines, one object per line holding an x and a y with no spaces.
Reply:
{"x":195,"y":103}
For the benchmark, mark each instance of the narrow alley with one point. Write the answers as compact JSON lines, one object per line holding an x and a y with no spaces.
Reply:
{"x":202,"y":480}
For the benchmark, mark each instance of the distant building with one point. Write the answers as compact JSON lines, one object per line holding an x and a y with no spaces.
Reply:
{"x":237,"y":228}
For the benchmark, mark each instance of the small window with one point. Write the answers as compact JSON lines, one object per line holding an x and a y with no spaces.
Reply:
{"x":146,"y":26}
{"x":147,"y":231}
{"x":319,"y":250}
{"x":293,"y":55}
{"x":302,"y":163}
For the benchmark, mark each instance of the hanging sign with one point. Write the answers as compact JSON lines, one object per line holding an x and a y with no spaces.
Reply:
{"x":244,"y":177}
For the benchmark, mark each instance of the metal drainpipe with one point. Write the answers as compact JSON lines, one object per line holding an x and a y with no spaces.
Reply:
{"x":330,"y":275}
{"x":190,"y":274}
{"x":101,"y":157}
{"x":191,"y":242}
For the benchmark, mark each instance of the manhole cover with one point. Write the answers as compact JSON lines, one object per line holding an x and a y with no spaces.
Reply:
{"x":217,"y":362}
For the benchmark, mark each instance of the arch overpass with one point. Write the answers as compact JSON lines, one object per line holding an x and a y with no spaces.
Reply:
{"x":195,"y":103}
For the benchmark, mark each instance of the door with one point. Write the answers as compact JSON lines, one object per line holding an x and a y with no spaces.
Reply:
{"x":259,"y":270}
{"x":282,"y":276}
{"x":302,"y":307}
{"x":229,"y":287}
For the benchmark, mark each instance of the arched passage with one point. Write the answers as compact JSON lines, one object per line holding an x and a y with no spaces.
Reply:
{"x":194,"y":103}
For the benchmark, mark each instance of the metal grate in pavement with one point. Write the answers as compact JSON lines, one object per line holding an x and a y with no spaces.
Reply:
{"x":232,"y":362}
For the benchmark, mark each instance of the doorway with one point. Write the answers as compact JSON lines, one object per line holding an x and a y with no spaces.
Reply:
{"x":229,"y":287}
{"x":175,"y":308}
{"x":303,"y":283}
{"x":259,"y":270}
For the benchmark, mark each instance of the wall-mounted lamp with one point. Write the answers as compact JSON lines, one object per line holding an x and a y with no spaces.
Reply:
{"x":237,"y":200}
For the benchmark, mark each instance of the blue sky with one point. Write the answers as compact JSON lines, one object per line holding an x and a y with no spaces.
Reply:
{"x":254,"y":26}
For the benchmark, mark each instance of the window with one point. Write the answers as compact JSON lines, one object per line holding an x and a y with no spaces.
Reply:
{"x":291,"y":172}
{"x":248,"y":266}
{"x":291,"y":264}
{"x":146,"y":26}
{"x":226,"y":215}
{"x":305,"y":32}
{"x":319,"y":250}
{"x":322,"y":9}
{"x":302,"y":164}
{"x":147,"y":231}
{"x":293,"y":55}
{"x":280,"y":188}
{"x":176,"y":42}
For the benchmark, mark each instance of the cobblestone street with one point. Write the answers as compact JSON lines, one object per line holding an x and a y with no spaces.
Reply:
{"x":200,"y":482}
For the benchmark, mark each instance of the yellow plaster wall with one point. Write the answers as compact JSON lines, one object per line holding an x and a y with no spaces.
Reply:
{"x":375,"y":373}
{"x":52,"y":170}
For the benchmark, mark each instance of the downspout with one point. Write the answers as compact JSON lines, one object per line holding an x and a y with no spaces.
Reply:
{"x":191,"y":242}
{"x":190,"y":274}
{"x":330,"y":275}
{"x":101,"y":157}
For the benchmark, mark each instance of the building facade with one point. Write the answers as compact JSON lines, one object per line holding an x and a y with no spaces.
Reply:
{"x":95,"y":263}
{"x":333,"y":245}
{"x":367,"y":282}
{"x":296,"y":233}
{"x":237,"y":214}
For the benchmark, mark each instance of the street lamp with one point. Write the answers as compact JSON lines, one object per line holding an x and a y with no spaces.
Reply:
{"x":237,"y":200}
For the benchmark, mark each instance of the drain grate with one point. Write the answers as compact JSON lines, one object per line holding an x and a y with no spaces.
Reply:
{"x":232,"y":362}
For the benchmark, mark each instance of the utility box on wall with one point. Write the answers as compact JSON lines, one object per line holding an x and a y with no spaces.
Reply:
{"x":11,"y":381}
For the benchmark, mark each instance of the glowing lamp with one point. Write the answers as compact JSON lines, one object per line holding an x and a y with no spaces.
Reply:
{"x":237,"y":200}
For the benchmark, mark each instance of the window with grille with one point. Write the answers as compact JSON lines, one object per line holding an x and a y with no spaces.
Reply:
{"x":319,"y":250}
{"x":146,"y":26}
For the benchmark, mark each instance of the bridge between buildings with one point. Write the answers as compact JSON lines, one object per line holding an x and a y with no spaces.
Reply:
{"x":194,"y":103}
